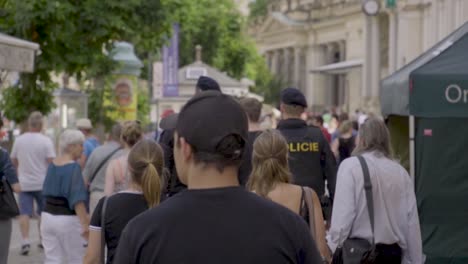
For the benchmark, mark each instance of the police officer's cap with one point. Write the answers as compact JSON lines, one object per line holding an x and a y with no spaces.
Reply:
{"x":207,"y":84}
{"x":292,"y":96}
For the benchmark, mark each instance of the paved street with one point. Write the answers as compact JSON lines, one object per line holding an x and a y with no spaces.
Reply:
{"x":35,"y":255}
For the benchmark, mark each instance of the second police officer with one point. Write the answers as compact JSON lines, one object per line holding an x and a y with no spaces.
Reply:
{"x":310,"y":158}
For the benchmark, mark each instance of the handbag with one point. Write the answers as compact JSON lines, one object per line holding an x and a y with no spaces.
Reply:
{"x":358,"y":250}
{"x":8,"y":205}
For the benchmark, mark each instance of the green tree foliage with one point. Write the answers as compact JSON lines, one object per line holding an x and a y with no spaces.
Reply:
{"x":219,"y":28}
{"x":258,"y":9}
{"x":72,"y":35}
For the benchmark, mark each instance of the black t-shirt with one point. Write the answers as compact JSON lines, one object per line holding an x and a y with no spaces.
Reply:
{"x":223,"y":225}
{"x":121,"y":208}
{"x":246,"y":166}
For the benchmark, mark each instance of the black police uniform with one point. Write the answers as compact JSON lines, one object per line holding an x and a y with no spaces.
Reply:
{"x":310,"y":158}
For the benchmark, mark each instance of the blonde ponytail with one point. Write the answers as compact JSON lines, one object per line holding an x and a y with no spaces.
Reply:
{"x":269,"y":163}
{"x":151,"y":185}
{"x":146,"y":163}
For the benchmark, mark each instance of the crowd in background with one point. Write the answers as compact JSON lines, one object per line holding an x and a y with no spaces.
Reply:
{"x":218,"y":183}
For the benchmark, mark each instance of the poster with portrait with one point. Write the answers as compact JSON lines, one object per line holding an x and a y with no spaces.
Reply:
{"x":123,"y":97}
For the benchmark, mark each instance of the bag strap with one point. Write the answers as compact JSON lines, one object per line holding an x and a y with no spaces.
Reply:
{"x":103,"y":231}
{"x":310,"y":206}
{"x":98,"y":168}
{"x":368,"y":190}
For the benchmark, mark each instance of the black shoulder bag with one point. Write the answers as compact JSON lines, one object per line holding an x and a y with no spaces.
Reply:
{"x":8,"y":205}
{"x":98,"y":168}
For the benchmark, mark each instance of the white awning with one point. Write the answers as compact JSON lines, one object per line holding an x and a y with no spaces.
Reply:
{"x":338,"y":68}
{"x":17,"y":54}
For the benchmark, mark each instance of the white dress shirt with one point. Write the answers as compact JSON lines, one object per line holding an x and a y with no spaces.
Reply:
{"x":395,"y":212}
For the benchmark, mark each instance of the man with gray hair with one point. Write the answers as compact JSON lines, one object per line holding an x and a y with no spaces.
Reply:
{"x":31,"y":154}
{"x":94,"y":172}
{"x":375,"y":201}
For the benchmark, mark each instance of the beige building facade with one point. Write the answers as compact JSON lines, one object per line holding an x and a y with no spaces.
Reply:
{"x":337,"y":54}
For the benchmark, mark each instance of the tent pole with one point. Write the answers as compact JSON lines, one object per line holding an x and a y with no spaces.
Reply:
{"x":412,"y":147}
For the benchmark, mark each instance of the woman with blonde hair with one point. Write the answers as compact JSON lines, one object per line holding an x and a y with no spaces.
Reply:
{"x":117,"y":177}
{"x":271,"y":178}
{"x":145,"y":164}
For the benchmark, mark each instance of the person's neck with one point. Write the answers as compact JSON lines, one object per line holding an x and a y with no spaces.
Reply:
{"x":286,"y":117}
{"x":64,"y":159}
{"x":35,"y":130}
{"x":209,"y":177}
{"x":133,"y":187}
{"x":254,"y":127}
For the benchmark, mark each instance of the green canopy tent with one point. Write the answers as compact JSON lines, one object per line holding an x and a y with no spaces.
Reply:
{"x":427,"y":100}
{"x":439,"y":100}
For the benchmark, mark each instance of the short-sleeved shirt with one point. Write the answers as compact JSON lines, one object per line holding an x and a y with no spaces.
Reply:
{"x":89,"y":146}
{"x":222,"y":225}
{"x":96,"y":158}
{"x":32,"y":151}
{"x":121,"y":208}
{"x":65,"y":181}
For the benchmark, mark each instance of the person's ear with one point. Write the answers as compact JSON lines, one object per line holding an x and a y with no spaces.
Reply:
{"x":186,"y":149}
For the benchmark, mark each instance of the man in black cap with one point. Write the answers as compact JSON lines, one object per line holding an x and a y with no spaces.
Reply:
{"x":205,"y":83}
{"x":215,"y":220}
{"x":310,"y":157}
{"x":174,"y":185}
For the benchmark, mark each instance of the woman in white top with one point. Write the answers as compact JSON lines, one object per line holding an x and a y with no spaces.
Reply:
{"x":117,"y":177}
{"x":395,"y":212}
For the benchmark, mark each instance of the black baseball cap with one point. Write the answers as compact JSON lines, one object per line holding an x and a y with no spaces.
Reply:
{"x":208,"y":118}
{"x":293,"y":96}
{"x":205,"y":83}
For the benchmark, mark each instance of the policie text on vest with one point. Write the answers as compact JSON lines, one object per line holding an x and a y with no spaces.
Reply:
{"x":303,"y":147}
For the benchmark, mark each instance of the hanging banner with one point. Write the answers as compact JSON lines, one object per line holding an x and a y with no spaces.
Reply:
{"x":171,"y":65}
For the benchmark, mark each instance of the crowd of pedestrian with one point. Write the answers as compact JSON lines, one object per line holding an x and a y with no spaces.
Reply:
{"x":214,"y":187}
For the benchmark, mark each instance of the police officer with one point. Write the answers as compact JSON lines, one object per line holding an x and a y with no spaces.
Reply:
{"x":310,"y":158}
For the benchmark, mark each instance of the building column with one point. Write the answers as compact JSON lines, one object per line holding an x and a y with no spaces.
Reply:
{"x":372,"y":64}
{"x":274,"y":61}
{"x":286,"y":68}
{"x":393,"y":42}
{"x":297,"y":68}
{"x":315,"y":82}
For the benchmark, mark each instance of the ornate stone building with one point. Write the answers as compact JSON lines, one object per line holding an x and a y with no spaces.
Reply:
{"x":337,"y":55}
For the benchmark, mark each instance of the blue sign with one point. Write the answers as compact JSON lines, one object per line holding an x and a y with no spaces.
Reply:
{"x":171,"y":65}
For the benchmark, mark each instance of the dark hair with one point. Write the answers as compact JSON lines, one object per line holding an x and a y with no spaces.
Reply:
{"x":116,"y":132}
{"x":343,"y":117}
{"x":229,"y":152}
{"x":252,"y":107}
{"x":356,"y":125}
{"x":319,"y":119}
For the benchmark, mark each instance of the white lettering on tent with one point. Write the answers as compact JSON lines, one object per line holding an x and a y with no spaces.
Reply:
{"x":454,"y":94}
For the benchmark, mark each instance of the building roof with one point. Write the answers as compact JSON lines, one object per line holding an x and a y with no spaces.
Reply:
{"x":188,"y":75}
{"x":67,"y":92}
{"x":12,"y":41}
